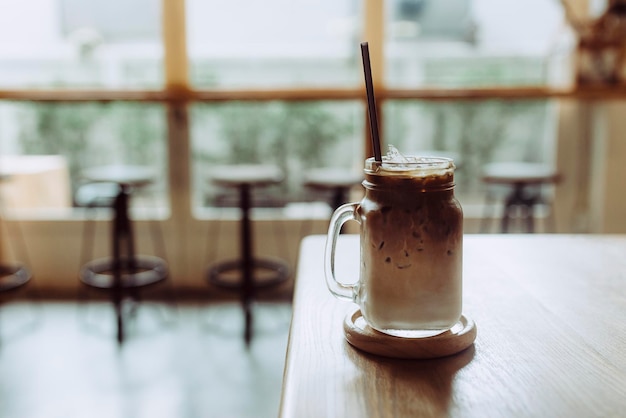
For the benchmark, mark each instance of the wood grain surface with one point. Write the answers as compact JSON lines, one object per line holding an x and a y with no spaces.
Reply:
{"x":552,"y":339}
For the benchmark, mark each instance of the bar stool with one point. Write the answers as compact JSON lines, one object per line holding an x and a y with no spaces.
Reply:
{"x":523,"y":187}
{"x":13,"y":275}
{"x":336,"y":181}
{"x":247,"y":279}
{"x":124,"y":271}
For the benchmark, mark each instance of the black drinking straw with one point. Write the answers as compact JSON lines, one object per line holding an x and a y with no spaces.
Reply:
{"x":371,"y":103}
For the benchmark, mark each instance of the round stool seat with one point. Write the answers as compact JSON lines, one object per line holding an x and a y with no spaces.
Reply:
{"x":149,"y":270}
{"x":124,"y":175}
{"x":267,"y":273}
{"x":13,"y":277}
{"x":246,"y":174}
{"x":518,"y":173}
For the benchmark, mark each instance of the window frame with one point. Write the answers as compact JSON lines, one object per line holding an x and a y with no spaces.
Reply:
{"x":177,"y":93}
{"x":55,"y":243}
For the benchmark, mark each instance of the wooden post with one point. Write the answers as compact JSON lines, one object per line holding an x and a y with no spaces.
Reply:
{"x":374,"y":35}
{"x":178,"y":141}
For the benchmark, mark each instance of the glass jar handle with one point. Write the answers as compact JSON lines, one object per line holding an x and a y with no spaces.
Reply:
{"x":342,"y":215}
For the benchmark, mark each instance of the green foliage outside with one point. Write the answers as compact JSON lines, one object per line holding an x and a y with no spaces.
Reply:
{"x":58,"y":129}
{"x":478,"y":132}
{"x":273,"y":132}
{"x":293,"y":136}
{"x":90,"y":134}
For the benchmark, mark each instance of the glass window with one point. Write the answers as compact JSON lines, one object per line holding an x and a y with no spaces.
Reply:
{"x":473,"y":133}
{"x":80,"y":43}
{"x":273,"y":43}
{"x":474,"y":43}
{"x":68,"y":139}
{"x":294,"y":136}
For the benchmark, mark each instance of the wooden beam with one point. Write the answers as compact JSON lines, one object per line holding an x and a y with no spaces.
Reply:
{"x":429,"y":94}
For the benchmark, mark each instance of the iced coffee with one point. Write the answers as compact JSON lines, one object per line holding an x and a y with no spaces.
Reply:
{"x":411,"y":232}
{"x":411,"y":246}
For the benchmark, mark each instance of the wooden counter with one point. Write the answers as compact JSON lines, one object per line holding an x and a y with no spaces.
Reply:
{"x":551,"y":317}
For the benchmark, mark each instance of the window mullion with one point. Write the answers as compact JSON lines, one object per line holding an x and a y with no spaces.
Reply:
{"x":373,"y":34}
{"x":177,"y":80}
{"x":175,"y":45}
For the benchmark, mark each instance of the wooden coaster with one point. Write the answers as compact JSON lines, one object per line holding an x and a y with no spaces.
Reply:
{"x":360,"y":335}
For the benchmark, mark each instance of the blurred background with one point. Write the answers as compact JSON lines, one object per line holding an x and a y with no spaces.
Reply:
{"x":182,"y":86}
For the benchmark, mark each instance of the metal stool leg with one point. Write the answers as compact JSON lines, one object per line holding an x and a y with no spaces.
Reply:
{"x":121,"y":232}
{"x":339,"y":197}
{"x":515,"y":199}
{"x":487,"y":213}
{"x":530,"y":216}
{"x":246,"y":256}
{"x":506,"y":216}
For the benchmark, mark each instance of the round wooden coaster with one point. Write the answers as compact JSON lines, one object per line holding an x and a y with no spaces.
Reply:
{"x":360,"y":335}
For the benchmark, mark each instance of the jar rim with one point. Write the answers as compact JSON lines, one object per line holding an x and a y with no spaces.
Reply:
{"x":413,"y":163}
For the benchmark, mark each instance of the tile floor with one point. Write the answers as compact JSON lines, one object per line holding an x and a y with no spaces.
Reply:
{"x":60,"y":359}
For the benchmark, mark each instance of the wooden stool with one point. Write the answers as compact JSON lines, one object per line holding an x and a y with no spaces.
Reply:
{"x":524,"y":183}
{"x":244,"y":178}
{"x":124,"y":270}
{"x":337,"y":181}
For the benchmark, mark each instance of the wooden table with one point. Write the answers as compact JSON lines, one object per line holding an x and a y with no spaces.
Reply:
{"x":551,"y":317}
